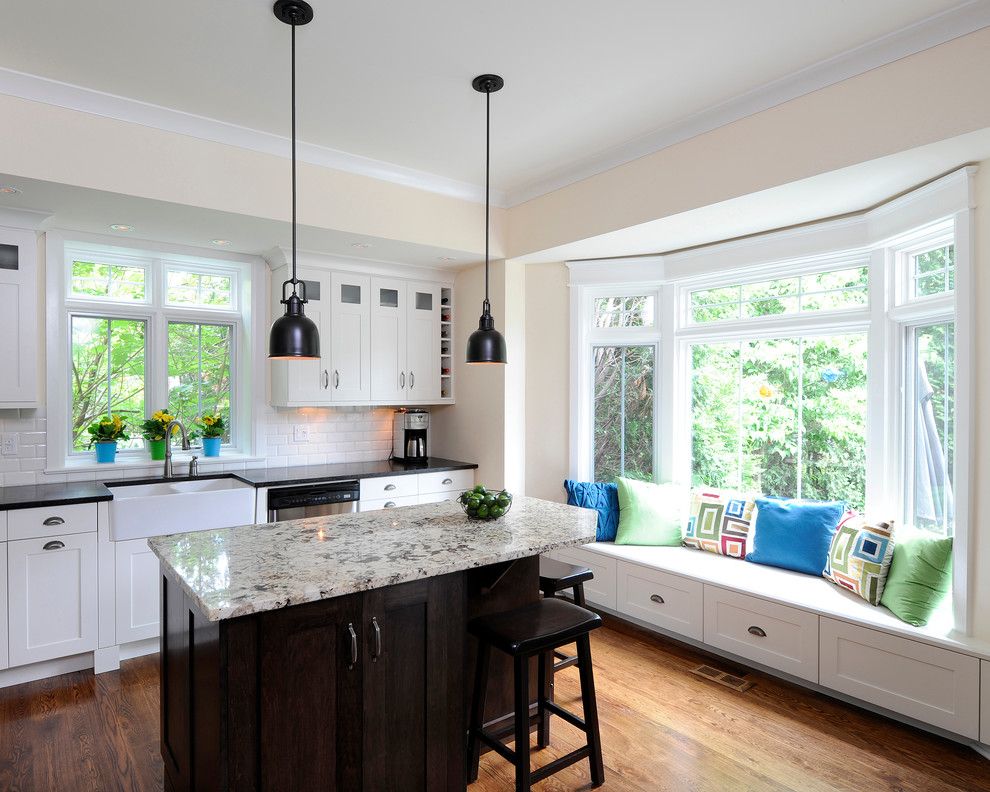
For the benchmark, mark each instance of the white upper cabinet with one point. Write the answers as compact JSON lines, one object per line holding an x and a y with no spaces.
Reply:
{"x":350,"y":337}
{"x":388,"y":340}
{"x":304,"y":383}
{"x":19,"y":330}
{"x":423,"y":342}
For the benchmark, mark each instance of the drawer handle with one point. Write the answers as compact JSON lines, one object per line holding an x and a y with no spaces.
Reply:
{"x":378,"y":639}
{"x":54,"y":521}
{"x":389,"y":505}
{"x":354,"y":645}
{"x":757,"y":631}
{"x":389,"y":487}
{"x":656,"y":598}
{"x":55,"y":544}
{"x":445,"y":482}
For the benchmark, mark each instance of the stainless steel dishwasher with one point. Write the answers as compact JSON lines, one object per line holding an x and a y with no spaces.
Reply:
{"x":312,"y":500}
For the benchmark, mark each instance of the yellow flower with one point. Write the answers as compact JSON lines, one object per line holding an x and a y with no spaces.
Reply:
{"x":209,"y":420}
{"x":766,"y":391}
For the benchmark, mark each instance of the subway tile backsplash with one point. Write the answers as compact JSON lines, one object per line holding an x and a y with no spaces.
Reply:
{"x":334,"y":434}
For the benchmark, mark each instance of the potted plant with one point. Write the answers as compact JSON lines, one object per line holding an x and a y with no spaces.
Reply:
{"x":153,"y":430}
{"x":211,"y":429}
{"x":104,"y":434}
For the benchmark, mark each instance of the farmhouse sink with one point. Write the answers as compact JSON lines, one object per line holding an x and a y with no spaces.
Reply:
{"x":138,"y":511}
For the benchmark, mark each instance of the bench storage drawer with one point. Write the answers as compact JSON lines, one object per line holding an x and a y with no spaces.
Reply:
{"x":669,"y":601}
{"x":766,"y":632}
{"x":601,"y":589}
{"x":934,"y":685}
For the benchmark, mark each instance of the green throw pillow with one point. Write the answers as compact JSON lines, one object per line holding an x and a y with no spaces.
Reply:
{"x":650,"y":514}
{"x":920,"y":576}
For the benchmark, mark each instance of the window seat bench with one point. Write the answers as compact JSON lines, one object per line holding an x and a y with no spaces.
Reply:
{"x":798,"y":626}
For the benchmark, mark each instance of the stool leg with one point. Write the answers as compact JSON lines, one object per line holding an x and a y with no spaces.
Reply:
{"x":521,"y":747}
{"x":579,"y":594}
{"x":545,"y":665}
{"x":590,"y":704}
{"x":478,"y":708}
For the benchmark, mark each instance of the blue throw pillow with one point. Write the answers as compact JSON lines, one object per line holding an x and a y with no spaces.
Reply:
{"x":603,"y":498}
{"x":795,"y":534}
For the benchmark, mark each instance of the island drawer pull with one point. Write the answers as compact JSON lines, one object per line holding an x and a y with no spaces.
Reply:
{"x":378,"y":640}
{"x":55,"y":544}
{"x":389,"y":487}
{"x":54,"y":521}
{"x":656,"y":598}
{"x":354,"y":645}
{"x":757,"y":631}
{"x":447,"y":481}
{"x":389,"y":505}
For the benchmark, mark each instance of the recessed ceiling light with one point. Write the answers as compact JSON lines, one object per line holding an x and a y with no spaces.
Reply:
{"x":9,"y":189}
{"x":446,"y":258}
{"x":121,"y":227}
{"x":220,"y":242}
{"x":361,"y":244}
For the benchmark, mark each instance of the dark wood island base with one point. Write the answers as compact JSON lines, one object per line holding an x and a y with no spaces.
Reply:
{"x":365,"y":691}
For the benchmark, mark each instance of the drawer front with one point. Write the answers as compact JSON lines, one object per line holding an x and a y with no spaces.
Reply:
{"x":933,"y":685}
{"x":387,"y":503}
{"x":670,"y":601}
{"x":437,"y":497}
{"x":600,"y":590}
{"x":775,"y":635}
{"x":451,"y":481}
{"x":74,"y":518}
{"x":389,"y":487}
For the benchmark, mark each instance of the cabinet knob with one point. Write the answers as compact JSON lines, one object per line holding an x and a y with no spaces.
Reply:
{"x":389,"y":505}
{"x":447,"y":481}
{"x":54,"y":521}
{"x":759,"y":632}
{"x":354,"y":645}
{"x":55,"y":544}
{"x":656,"y":598}
{"x":378,"y":640}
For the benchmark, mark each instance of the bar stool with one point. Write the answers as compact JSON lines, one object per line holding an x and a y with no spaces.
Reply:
{"x":556,"y":576}
{"x":535,"y":630}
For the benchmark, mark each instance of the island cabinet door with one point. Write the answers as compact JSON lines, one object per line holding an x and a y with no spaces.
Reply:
{"x":413,"y":681}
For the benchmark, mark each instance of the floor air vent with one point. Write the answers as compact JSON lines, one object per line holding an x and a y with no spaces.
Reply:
{"x":737,"y":683}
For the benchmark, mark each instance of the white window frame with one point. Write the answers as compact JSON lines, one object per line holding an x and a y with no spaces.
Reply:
{"x":249,"y":295}
{"x":883,"y":239}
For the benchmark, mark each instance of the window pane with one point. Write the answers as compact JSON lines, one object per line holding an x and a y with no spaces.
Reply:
{"x":935,"y":271}
{"x":623,"y":412}
{"x":107,"y":375}
{"x":199,"y":371}
{"x":638,"y":311}
{"x":109,"y":281}
{"x":781,"y":416}
{"x":932,"y":506}
{"x":199,"y":289}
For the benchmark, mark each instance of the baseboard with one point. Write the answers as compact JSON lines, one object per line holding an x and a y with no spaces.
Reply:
{"x":140,"y":648}
{"x":46,"y":668}
{"x":983,"y":750}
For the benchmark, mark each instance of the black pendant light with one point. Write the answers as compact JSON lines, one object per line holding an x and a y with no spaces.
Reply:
{"x":486,"y":344}
{"x":294,"y":336}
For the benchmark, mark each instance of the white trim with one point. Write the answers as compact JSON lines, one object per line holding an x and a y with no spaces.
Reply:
{"x":922,"y":35}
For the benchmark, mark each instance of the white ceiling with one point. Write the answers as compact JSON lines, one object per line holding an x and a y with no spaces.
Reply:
{"x":390,"y":80}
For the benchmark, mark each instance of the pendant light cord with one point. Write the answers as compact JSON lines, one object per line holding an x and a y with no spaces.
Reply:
{"x":488,"y":135}
{"x":295,"y":281}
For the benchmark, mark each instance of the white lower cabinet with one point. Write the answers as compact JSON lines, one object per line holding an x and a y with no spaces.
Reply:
{"x":136,"y":591}
{"x":985,"y":702}
{"x":669,"y":601}
{"x":3,"y":605}
{"x":600,"y":590}
{"x":766,"y":632}
{"x":387,"y":503}
{"x":52,"y":595}
{"x":934,"y":685}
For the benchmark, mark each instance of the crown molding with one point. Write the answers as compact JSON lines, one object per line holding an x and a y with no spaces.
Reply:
{"x":120,"y":108}
{"x":925,"y":34}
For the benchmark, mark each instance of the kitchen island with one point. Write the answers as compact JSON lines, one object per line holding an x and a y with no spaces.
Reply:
{"x":331,"y":652}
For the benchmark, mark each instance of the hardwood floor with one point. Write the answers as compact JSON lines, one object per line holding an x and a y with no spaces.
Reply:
{"x":662,"y":728}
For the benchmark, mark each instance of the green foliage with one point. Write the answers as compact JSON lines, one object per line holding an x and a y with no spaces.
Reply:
{"x":154,"y":427}
{"x":210,"y":426}
{"x":109,"y":429}
{"x":199,"y":371}
{"x":623,"y":428}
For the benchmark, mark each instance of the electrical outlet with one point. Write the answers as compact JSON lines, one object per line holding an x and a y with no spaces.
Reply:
{"x":300,"y":433}
{"x":9,"y":444}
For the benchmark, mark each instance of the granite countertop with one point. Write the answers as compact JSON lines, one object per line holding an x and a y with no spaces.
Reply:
{"x":255,"y":568}
{"x":37,"y":495}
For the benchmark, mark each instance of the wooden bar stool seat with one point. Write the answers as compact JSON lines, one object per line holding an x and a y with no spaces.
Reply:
{"x":535,"y":630}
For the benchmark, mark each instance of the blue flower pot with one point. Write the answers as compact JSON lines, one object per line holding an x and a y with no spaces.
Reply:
{"x":211,"y":446}
{"x":106,"y":452}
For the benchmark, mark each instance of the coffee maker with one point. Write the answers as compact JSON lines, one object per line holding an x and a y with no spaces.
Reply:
{"x":410,"y":436}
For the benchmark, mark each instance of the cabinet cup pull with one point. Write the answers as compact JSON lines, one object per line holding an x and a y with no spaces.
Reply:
{"x":389,"y":505}
{"x":389,"y":487}
{"x":354,"y":645}
{"x":55,"y":544}
{"x":53,"y":521}
{"x":412,"y":380}
{"x":656,"y":598}
{"x":445,"y":482}
{"x":757,"y":631}
{"x":378,"y":640}
{"x":402,"y":379}
{"x":336,"y":379}
{"x":326,"y":379}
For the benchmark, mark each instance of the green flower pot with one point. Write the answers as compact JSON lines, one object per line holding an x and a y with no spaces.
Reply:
{"x":157,"y":449}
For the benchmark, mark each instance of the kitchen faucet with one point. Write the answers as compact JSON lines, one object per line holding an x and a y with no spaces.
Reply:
{"x":168,"y":444}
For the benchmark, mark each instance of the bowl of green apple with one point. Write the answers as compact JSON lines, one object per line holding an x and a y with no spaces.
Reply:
{"x":482,"y":503}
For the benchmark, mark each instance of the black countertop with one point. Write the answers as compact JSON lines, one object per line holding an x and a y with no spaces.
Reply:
{"x":33,"y":496}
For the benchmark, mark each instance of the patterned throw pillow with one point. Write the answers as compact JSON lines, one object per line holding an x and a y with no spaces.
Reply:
{"x":860,"y":555}
{"x":719,"y":522}
{"x":603,"y":498}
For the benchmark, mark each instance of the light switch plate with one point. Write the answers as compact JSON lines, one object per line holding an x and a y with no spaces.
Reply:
{"x":300,"y":433}
{"x":9,"y":443}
